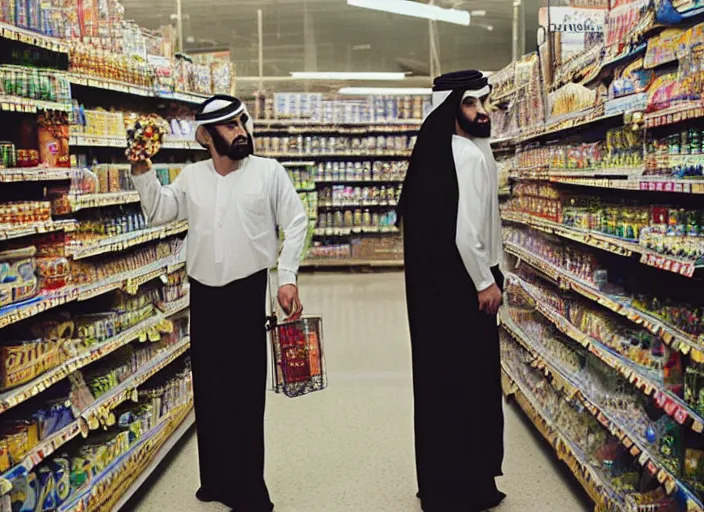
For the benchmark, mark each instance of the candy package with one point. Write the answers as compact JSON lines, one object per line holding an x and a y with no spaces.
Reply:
{"x":145,"y":137}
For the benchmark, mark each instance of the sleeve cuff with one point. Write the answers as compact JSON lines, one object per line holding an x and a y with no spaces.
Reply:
{"x":485,"y":285}
{"x":287,"y":277}
{"x":142,"y":179}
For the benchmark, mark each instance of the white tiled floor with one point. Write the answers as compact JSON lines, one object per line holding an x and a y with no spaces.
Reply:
{"x":349,"y":449}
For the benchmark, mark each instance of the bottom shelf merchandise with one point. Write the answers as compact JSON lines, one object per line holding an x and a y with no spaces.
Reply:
{"x":87,"y":474}
{"x":34,"y":429}
{"x":603,"y":465}
{"x":664,"y":445}
{"x":387,"y":248}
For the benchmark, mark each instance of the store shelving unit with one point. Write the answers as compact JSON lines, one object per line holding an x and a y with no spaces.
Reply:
{"x":597,"y":297}
{"x":155,"y":266}
{"x":348,"y":164}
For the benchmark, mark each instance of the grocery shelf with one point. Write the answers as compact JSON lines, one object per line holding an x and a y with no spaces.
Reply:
{"x":676,"y":114}
{"x":125,"y":390}
{"x":176,"y":423}
{"x":25,"y":36}
{"x":616,"y":178}
{"x":637,"y":375}
{"x":103,"y":405}
{"x":10,"y":231}
{"x":125,"y":241}
{"x":135,"y":90}
{"x":581,"y":120}
{"x":86,"y":201}
{"x":547,"y":173}
{"x":319,"y":156}
{"x":566,"y":449}
{"x":82,"y":140}
{"x":319,"y":124}
{"x":349,"y":204}
{"x":354,"y":231}
{"x":616,"y":61}
{"x":42,"y":451}
{"x":129,"y":281}
{"x":158,"y":458}
{"x":18,"y":395}
{"x":31,"y":307}
{"x":22,"y":174}
{"x":672,"y":336}
{"x":342,"y":181}
{"x":30,"y":106}
{"x":298,"y":164}
{"x":332,"y":262}
{"x":52,"y":299}
{"x":190,"y":145}
{"x":681,"y":266}
{"x":563,"y":381}
{"x":664,"y":184}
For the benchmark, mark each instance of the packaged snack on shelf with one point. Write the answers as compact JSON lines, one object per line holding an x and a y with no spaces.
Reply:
{"x":18,"y":281}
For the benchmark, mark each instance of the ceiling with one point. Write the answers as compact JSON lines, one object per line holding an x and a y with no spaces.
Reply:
{"x":329,"y":35}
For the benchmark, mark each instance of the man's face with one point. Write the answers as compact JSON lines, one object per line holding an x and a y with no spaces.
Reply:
{"x":230,"y":139}
{"x":233,"y":131}
{"x":473,"y":118}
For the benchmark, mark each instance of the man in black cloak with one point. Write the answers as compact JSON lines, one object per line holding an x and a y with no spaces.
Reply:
{"x":453,"y":247}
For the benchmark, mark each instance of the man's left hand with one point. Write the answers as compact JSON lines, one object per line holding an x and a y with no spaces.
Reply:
{"x":289,"y":301}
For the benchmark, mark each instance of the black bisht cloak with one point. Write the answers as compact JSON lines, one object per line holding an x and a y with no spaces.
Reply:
{"x":456,"y":356}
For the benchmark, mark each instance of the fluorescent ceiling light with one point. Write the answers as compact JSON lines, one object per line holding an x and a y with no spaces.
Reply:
{"x":415,"y":9}
{"x":385,"y":91}
{"x":305,"y":75}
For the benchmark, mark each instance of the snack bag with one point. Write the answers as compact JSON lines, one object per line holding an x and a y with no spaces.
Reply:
{"x":145,"y":137}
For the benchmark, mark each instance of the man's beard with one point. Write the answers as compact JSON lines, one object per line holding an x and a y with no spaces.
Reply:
{"x":241,"y":147}
{"x":475,"y":128}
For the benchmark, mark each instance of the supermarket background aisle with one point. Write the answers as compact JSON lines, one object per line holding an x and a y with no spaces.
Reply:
{"x":349,"y":449}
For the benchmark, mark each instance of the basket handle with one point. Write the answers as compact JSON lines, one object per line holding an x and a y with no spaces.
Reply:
{"x":272,"y":319}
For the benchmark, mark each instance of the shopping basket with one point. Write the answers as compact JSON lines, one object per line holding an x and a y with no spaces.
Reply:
{"x":298,"y":360}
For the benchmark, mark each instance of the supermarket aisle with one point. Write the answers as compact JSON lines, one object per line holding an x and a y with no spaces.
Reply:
{"x":349,"y":449}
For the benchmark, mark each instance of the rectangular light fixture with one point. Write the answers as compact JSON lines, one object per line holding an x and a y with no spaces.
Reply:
{"x":415,"y":9}
{"x":385,"y":91}
{"x":315,"y":75}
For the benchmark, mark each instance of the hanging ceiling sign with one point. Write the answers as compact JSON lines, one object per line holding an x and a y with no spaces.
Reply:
{"x":577,"y":20}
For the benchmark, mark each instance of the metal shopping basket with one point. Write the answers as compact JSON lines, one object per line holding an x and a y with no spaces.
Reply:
{"x":298,"y":360}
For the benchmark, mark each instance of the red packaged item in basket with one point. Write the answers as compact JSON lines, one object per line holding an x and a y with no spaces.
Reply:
{"x":298,"y":362}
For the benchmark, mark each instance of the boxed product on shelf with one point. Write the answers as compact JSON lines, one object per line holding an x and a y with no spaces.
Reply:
{"x":18,"y":281}
{"x":23,"y":429}
{"x":98,"y":123}
{"x":387,"y":249}
{"x":175,"y":288}
{"x":23,"y":359}
{"x":71,"y":472}
{"x":101,"y":225}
